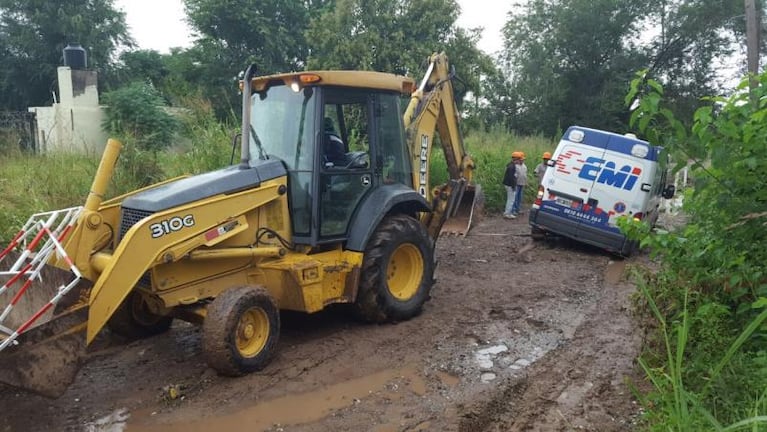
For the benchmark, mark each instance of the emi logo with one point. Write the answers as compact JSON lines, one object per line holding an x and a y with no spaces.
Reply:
{"x":605,"y":172}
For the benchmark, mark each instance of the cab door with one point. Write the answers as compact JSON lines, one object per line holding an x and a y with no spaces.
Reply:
{"x":345,"y":179}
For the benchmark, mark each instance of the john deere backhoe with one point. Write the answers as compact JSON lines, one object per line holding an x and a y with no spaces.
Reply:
{"x":289,"y":227}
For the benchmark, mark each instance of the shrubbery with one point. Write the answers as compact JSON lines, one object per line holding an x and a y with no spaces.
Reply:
{"x":709,"y":362}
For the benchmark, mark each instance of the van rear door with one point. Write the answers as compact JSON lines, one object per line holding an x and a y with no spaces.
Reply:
{"x":622,"y":182}
{"x":567,"y":190}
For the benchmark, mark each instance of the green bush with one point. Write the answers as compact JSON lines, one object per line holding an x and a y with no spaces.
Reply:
{"x":710,"y":295}
{"x":137,"y":111}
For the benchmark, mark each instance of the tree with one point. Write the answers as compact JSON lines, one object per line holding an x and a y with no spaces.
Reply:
{"x":395,"y":36}
{"x":236,"y":33}
{"x":33,"y":34}
{"x":694,"y":36}
{"x":568,"y":60}
{"x":571,"y":60}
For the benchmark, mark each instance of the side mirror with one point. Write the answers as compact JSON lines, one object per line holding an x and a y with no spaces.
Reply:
{"x":669,"y":192}
{"x":551,"y":163}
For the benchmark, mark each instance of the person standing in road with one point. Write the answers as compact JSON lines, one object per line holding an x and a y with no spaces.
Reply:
{"x":510,"y":183}
{"x":540,"y":170}
{"x":521,"y":176}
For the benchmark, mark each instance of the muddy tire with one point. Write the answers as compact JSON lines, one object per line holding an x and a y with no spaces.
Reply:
{"x":134,"y":320}
{"x":397,"y":271}
{"x":537,"y":233}
{"x":240,"y":331}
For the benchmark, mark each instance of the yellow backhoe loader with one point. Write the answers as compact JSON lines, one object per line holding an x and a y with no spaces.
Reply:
{"x":330,"y":203}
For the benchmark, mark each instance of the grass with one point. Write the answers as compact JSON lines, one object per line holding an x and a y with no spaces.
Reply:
{"x":491,"y":151}
{"x":676,"y":406}
{"x":35,"y":183}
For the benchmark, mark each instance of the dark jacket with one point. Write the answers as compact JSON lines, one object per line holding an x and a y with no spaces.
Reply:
{"x":509,"y":178}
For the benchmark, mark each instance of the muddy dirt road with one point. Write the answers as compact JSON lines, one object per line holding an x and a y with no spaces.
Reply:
{"x":540,"y":340}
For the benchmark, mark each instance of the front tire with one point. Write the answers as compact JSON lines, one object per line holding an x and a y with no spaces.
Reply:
{"x":240,"y":331}
{"x":397,"y":271}
{"x":133,"y":319}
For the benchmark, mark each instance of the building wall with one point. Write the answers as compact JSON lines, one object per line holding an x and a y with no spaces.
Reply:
{"x":74,"y":122}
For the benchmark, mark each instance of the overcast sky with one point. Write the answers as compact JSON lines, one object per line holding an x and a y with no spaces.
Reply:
{"x":159,"y":24}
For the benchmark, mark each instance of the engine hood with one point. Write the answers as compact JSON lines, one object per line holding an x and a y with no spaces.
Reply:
{"x":220,"y":182}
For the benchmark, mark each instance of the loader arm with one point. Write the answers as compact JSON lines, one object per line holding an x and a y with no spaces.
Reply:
{"x":141,"y":249}
{"x":432,"y":109}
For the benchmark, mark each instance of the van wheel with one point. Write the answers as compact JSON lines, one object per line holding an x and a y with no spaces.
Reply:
{"x":629,"y":248}
{"x":397,"y":271}
{"x":240,"y":331}
{"x":133,"y":319}
{"x":537,"y":233}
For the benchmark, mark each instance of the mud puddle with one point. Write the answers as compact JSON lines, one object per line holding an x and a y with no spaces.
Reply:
{"x":300,"y":408}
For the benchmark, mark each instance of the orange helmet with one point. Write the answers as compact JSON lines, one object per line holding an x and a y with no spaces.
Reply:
{"x":517,"y":155}
{"x":546,"y":155}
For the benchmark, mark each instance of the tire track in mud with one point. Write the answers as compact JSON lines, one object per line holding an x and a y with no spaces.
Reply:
{"x":579,"y":386}
{"x":510,"y":328}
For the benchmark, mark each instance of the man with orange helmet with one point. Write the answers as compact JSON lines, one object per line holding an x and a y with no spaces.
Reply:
{"x":521,"y":175}
{"x":510,"y":183}
{"x":540,"y":170}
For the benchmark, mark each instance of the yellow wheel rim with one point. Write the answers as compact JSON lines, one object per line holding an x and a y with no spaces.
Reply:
{"x":405,"y":271}
{"x":252,"y":332}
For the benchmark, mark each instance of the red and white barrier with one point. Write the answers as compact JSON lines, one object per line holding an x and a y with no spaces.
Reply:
{"x":35,"y":243}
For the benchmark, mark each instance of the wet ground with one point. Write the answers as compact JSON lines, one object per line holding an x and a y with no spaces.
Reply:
{"x":517,"y":336}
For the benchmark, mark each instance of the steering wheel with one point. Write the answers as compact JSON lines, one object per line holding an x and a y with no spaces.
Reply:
{"x":357,"y":160}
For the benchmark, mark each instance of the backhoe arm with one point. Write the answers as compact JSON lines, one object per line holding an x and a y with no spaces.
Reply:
{"x":432,"y":108}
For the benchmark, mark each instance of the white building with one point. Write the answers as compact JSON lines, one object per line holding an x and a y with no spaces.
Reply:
{"x":73,"y":123}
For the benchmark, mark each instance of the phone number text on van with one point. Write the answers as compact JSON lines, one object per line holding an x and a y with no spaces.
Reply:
{"x":582,"y":215}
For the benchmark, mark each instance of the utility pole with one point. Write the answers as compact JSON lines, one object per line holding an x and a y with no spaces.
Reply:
{"x":752,"y":45}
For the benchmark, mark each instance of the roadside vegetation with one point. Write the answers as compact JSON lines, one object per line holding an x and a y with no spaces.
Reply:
{"x":194,"y":142}
{"x":706,"y":356}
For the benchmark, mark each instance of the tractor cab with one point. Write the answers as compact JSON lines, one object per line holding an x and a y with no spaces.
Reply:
{"x":339,"y":141}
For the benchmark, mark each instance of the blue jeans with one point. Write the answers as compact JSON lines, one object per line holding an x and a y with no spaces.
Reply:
{"x":517,"y":200}
{"x":510,"y":196}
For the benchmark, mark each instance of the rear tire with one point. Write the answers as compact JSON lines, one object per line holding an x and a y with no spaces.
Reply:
{"x":397,"y":271}
{"x":134,"y":320}
{"x":537,"y":233}
{"x":241,"y":330}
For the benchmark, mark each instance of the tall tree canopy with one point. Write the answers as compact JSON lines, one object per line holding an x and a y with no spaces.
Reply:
{"x":268,"y":32}
{"x":395,"y":36}
{"x":570,"y":61}
{"x":33,"y":34}
{"x":235,"y":33}
{"x":282,"y":35}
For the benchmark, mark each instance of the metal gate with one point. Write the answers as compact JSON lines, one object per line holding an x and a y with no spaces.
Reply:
{"x":19,"y":128}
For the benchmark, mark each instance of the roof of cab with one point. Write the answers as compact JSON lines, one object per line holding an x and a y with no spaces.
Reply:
{"x":356,"y":79}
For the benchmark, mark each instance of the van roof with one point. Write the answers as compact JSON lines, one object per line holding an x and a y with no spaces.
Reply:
{"x":612,"y":142}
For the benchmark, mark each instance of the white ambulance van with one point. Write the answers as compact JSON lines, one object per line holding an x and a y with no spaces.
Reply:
{"x":595,"y":177}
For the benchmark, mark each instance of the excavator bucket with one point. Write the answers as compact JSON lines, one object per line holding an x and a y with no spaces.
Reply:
{"x":466,"y":211}
{"x":42,"y":311}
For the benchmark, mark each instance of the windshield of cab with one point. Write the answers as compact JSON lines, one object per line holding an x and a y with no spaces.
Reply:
{"x":281,"y":126}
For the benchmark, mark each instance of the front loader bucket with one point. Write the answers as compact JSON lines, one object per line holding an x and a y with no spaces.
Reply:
{"x":466,"y":212}
{"x":42,"y":311}
{"x":48,"y":357}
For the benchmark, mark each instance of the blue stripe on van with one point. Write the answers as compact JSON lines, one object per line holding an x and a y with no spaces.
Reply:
{"x":613,"y":142}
